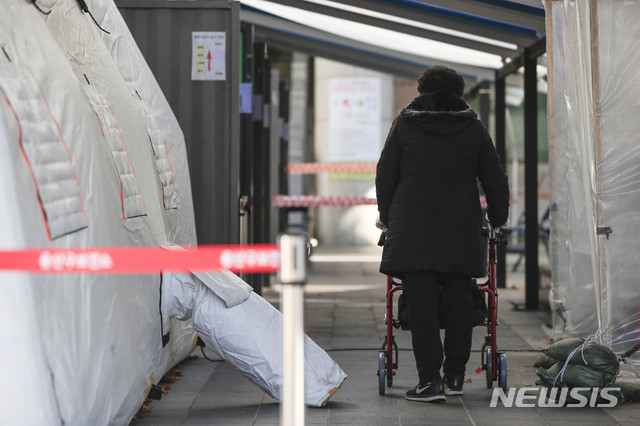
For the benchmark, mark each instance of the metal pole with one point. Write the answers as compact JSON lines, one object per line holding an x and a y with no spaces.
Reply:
{"x":485,"y":106}
{"x":292,"y":275}
{"x":260,"y":201}
{"x":284,"y":151}
{"x":501,"y":144}
{"x":265,"y":159}
{"x":246,"y":138}
{"x":532,"y":271}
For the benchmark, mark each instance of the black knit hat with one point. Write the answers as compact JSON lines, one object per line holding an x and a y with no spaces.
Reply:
{"x":440,"y":79}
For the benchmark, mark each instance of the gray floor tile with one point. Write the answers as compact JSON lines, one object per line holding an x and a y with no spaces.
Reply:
{"x":344,"y":314}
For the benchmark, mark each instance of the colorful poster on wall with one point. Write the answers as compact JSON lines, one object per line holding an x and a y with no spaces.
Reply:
{"x":208,"y":60}
{"x":354,"y":118}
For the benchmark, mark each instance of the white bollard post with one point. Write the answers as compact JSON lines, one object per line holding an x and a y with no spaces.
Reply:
{"x":292,"y":275}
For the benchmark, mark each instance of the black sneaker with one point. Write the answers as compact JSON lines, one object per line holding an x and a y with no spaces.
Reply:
{"x":431,"y":392}
{"x":453,"y":384}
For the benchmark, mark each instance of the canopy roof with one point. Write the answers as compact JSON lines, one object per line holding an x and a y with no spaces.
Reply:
{"x":402,"y":37}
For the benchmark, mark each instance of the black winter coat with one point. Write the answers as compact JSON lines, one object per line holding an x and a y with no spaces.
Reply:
{"x":427,"y":188}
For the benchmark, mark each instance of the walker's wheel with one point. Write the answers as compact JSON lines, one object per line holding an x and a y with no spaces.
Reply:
{"x":382,"y":365}
{"x":502,"y":372}
{"x":489,"y":369}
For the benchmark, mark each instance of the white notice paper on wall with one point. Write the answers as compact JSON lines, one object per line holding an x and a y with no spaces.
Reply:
{"x":355,"y":114}
{"x":208,"y":61}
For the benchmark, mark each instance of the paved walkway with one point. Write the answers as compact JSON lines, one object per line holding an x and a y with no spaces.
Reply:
{"x":344,"y":311}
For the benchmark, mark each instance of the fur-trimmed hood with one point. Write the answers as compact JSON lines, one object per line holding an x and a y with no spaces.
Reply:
{"x":439,"y":106}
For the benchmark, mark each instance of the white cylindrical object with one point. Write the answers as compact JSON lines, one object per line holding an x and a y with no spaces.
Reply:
{"x":292,"y":408}
{"x":293,"y":258}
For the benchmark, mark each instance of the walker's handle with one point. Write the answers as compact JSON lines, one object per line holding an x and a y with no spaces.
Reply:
{"x":498,"y":236}
{"x":383,"y":237}
{"x":486,"y":231}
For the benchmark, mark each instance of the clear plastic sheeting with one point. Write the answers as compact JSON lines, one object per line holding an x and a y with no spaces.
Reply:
{"x":249,"y":336}
{"x":595,"y":194}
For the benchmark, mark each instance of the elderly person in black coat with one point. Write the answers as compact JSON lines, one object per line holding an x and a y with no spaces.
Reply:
{"x":428,"y":198}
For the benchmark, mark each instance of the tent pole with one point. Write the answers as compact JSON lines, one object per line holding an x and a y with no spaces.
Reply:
{"x":602,"y":231}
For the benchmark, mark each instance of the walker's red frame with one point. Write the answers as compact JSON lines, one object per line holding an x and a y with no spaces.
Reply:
{"x":490,"y":356}
{"x":493,"y":362}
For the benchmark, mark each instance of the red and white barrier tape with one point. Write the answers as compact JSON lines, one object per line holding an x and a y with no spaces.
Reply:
{"x":324,"y":200}
{"x":257,"y":258}
{"x":313,"y":168}
{"x":320,"y":200}
{"x":339,"y":201}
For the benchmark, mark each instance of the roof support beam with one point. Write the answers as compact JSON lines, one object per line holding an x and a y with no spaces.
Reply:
{"x":399,"y":27}
{"x":532,"y":52}
{"x":520,"y":15}
{"x":314,"y":47}
{"x":528,"y":59}
{"x":420,"y":13}
{"x":532,"y":3}
{"x":295,"y":37}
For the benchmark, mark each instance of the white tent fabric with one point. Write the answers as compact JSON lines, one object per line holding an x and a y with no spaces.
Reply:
{"x":17,"y":307}
{"x":595,"y":192}
{"x":161,"y":127}
{"x":85,"y":348}
{"x":45,"y":151}
{"x":132,"y":201}
{"x":92,"y":156}
{"x":249,"y":336}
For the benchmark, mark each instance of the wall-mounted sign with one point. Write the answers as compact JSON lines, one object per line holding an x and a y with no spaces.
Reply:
{"x":208,"y":61}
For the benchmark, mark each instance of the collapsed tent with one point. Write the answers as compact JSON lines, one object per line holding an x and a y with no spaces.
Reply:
{"x":92,"y":156}
{"x":247,"y":334}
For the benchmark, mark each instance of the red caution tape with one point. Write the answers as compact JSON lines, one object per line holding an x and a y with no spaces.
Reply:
{"x":257,"y":258}
{"x":323,"y":200}
{"x":313,"y":168}
{"x":320,"y":200}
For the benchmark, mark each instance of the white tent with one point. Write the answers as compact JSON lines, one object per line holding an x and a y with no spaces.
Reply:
{"x":79,"y":171}
{"x":91,"y":155}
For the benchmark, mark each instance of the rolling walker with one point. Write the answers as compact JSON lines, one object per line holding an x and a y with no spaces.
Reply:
{"x":493,"y":362}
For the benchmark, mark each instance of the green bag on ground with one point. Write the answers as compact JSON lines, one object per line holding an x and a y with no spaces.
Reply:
{"x":630,"y":388}
{"x":591,"y":366}
{"x":591,"y":355}
{"x":561,"y":350}
{"x":575,"y":375}
{"x":628,"y":381}
{"x":544,"y":361}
